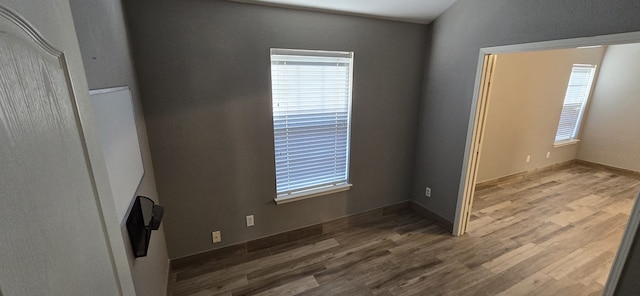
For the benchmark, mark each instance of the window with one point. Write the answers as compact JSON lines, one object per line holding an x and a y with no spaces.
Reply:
{"x":575,"y":102}
{"x":311,"y":97}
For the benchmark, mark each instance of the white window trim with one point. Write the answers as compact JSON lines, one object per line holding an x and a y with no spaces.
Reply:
{"x":565,"y":143}
{"x":312,"y":193}
{"x":331,"y":188}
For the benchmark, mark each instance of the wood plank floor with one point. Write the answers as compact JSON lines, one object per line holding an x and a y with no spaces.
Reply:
{"x":555,"y":234}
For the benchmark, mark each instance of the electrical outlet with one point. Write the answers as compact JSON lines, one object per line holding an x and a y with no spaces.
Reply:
{"x":250,"y":221}
{"x":549,"y":154}
{"x":215,"y":236}
{"x":528,"y":158}
{"x":427,"y":192}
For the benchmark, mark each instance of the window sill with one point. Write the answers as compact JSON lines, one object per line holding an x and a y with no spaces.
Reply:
{"x":565,"y":143}
{"x":311,"y":193}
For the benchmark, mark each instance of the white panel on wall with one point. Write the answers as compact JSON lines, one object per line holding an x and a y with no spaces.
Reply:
{"x":119,"y":138}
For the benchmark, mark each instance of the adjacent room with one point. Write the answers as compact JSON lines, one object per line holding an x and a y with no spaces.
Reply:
{"x":557,"y":167}
{"x":299,"y":147}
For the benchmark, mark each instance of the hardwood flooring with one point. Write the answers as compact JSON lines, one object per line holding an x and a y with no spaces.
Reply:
{"x":555,"y":234}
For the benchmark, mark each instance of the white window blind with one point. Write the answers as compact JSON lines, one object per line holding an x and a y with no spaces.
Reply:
{"x":575,"y":102}
{"x":311,"y":93}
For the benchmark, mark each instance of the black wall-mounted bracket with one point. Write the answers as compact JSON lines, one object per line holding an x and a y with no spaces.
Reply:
{"x":144,"y":217}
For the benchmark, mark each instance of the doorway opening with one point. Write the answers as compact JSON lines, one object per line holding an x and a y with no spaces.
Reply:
{"x":532,"y":162}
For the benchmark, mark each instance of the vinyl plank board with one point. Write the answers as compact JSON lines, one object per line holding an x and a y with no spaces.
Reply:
{"x":292,"y":288}
{"x":279,"y":280}
{"x":212,"y":287}
{"x":512,"y":258}
{"x":527,"y":286}
{"x":428,"y":282}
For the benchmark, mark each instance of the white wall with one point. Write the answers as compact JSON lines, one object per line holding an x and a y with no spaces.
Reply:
{"x":610,"y":133}
{"x":526,"y":100}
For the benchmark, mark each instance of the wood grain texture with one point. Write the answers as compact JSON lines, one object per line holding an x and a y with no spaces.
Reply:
{"x":555,"y":233}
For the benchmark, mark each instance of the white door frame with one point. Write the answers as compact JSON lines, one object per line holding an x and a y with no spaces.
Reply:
{"x":476,"y":123}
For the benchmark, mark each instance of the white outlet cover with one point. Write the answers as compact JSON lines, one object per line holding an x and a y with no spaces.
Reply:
{"x":427,"y":192}
{"x":250,"y":221}
{"x":216,"y":237}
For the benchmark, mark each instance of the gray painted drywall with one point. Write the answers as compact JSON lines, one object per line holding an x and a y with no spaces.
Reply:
{"x":452,"y":60}
{"x":54,"y":232}
{"x":527,"y":94}
{"x":610,"y":132}
{"x":204,"y":75}
{"x":106,"y":56}
{"x":628,"y":283}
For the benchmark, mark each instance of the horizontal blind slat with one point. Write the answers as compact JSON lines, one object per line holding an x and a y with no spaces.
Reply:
{"x":302,"y":178}
{"x":298,"y":167}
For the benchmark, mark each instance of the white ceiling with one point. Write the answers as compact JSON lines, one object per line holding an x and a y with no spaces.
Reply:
{"x":415,"y":11}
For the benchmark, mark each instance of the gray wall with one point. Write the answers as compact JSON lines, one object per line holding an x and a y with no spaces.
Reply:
{"x":456,"y":38}
{"x":107,"y":61}
{"x":525,"y":103}
{"x":628,"y":283}
{"x":610,"y":133}
{"x":204,"y":75}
